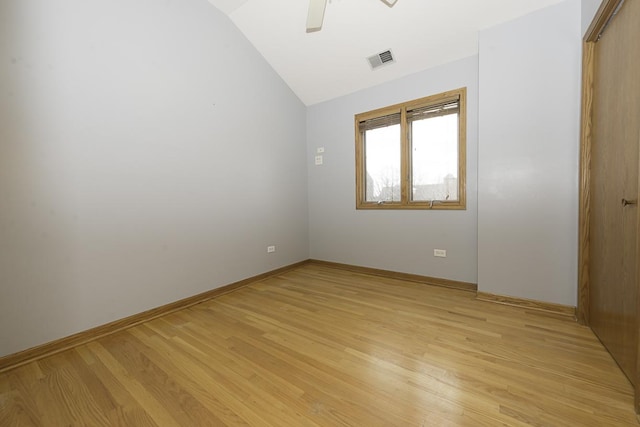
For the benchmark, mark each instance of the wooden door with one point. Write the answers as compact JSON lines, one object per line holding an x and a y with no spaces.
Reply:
{"x":613,"y":306}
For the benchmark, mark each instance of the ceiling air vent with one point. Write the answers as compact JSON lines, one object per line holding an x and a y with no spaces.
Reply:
{"x":382,"y":58}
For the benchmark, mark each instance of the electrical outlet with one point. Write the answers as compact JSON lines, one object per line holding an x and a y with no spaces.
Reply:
{"x":319,"y":160}
{"x":440,"y":253}
{"x":271,"y":249}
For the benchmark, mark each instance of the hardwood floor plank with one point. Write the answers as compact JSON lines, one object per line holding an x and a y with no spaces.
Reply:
{"x":124,"y":403}
{"x":319,"y":346}
{"x":320,"y":387}
{"x":140,"y":362}
{"x":138,"y":391}
{"x":234,"y":382}
{"x":131,"y":416}
{"x":15,"y":411}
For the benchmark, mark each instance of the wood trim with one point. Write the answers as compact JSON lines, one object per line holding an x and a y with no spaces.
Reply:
{"x":15,"y":360}
{"x":406,"y":167}
{"x":435,"y":281}
{"x":462,"y":150}
{"x":563,"y":310}
{"x":584,"y":215}
{"x":425,"y":206}
{"x":406,"y":203}
{"x":373,"y":114}
{"x":450,"y":95}
{"x":636,"y":394}
{"x":360,"y":178}
{"x":601,"y":18}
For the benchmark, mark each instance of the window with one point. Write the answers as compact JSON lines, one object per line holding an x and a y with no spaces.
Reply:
{"x":412,"y":155}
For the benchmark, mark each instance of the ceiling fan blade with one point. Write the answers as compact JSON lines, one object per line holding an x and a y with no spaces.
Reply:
{"x":389,"y":3}
{"x":316,"y":15}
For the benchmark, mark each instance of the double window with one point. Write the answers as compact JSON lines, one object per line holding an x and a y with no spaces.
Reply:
{"x":412,"y":155}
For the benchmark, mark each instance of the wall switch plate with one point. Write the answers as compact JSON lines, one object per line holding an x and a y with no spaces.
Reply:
{"x":441,"y":253}
{"x":271,"y":249}
{"x":319,"y":160}
{"x":320,"y":150}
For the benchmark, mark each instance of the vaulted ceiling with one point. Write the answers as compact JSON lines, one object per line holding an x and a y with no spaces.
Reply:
{"x":323,"y":65}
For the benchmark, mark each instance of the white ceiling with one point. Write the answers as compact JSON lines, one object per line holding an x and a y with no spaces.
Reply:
{"x":330,"y":63}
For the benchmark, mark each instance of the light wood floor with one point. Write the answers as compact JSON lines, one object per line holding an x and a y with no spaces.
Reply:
{"x":323,"y":347}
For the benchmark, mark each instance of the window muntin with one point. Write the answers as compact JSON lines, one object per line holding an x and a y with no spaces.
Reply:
{"x":412,"y":155}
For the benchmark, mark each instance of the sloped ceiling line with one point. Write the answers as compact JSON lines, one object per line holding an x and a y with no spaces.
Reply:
{"x":323,"y":65}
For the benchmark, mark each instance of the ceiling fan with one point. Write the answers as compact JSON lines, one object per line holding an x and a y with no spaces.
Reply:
{"x":316,"y":13}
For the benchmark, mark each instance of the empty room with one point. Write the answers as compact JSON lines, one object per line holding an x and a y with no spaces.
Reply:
{"x":319,"y":213}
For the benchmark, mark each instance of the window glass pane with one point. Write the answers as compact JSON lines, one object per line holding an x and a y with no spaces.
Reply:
{"x":434,"y":158}
{"x":382,"y":163}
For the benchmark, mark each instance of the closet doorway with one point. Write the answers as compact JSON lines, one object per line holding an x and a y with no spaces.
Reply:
{"x":608,"y":288}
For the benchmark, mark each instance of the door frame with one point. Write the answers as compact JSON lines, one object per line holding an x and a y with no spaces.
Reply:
{"x":601,"y":19}
{"x":603,"y":16}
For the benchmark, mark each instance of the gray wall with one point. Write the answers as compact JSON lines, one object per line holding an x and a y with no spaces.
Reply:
{"x":392,"y":240}
{"x":147,"y":153}
{"x":589,"y":9}
{"x":528,"y":155}
{"x":130,"y":178}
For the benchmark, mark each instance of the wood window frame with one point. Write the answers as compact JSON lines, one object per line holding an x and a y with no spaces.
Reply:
{"x":405,"y":158}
